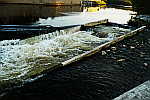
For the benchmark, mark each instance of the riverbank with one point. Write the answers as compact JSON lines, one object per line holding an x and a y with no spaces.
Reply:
{"x":124,"y":66}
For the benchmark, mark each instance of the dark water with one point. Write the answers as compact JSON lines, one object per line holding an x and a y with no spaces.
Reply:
{"x":93,"y":78}
{"x":96,"y":77}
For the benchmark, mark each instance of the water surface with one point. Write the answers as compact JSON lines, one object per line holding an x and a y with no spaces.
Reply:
{"x":22,"y":60}
{"x":59,"y":15}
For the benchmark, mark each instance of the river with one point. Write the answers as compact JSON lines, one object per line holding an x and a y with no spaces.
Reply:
{"x":21,"y":61}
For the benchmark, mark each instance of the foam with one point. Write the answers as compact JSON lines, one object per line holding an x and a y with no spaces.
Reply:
{"x":24,"y":59}
{"x":21,"y":61}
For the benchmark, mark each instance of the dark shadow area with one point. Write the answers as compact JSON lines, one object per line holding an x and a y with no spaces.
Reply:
{"x":141,"y":6}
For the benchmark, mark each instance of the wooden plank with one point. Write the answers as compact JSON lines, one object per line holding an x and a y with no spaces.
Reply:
{"x":105,"y":45}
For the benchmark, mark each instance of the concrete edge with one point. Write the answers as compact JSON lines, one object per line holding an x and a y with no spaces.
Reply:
{"x":141,"y":92}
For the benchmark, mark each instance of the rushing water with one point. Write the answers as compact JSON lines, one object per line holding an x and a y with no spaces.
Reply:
{"x":24,"y":58}
{"x":20,"y":59}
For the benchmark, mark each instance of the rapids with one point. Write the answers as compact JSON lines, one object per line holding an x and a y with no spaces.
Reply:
{"x":21,"y":59}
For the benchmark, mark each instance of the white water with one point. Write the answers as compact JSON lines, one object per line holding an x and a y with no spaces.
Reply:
{"x":31,"y":56}
{"x":19,"y":62}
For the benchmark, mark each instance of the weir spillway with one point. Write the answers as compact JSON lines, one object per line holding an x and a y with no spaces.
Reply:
{"x":34,"y":56}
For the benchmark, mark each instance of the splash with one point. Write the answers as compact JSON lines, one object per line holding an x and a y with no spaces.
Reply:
{"x":21,"y":59}
{"x":19,"y":62}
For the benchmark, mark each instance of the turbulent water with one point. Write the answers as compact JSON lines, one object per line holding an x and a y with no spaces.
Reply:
{"x":20,"y":59}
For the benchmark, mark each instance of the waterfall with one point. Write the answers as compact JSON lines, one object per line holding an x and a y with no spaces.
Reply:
{"x":36,"y":39}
